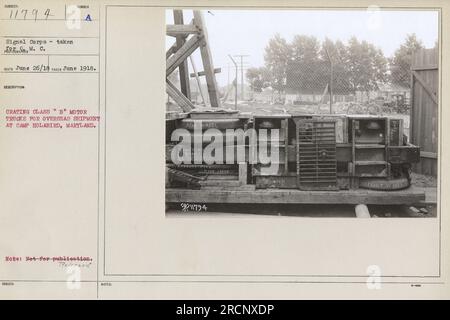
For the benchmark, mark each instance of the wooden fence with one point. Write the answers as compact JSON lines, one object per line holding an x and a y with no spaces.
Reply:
{"x":424,"y":109}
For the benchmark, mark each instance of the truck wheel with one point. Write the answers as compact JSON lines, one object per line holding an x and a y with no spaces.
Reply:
{"x":385,"y":184}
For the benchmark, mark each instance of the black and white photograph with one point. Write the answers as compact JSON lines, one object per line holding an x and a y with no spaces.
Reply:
{"x":224,"y":150}
{"x":302,"y":113}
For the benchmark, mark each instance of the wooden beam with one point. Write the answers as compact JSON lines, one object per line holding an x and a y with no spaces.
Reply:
{"x":412,"y":111}
{"x":175,"y":30}
{"x":430,"y":155}
{"x":207,"y":62}
{"x":171,"y":50}
{"x":356,"y":196}
{"x":183,"y":68}
{"x":243,"y":173}
{"x":423,"y":68}
{"x":202,"y":73}
{"x":175,"y":115}
{"x":182,"y":54}
{"x":198,"y":80}
{"x":178,"y":97}
{"x":425,"y":86}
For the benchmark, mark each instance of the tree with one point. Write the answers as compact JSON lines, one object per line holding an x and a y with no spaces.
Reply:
{"x":400,"y":64}
{"x":337,"y":53}
{"x":276,"y":57}
{"x":306,"y":69}
{"x":305,"y":65}
{"x":367,"y":65}
{"x":305,"y":49}
{"x":258,"y":78}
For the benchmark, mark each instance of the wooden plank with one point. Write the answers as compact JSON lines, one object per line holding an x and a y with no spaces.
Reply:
{"x":184,"y":103}
{"x":171,"y":50}
{"x":220,"y":183}
{"x":425,"y":67}
{"x":279,"y":182}
{"x":199,"y":85}
{"x":175,"y":30}
{"x":430,"y":155}
{"x":427,"y":104}
{"x":217,"y":178}
{"x":352,"y":168}
{"x":286,"y":145}
{"x":182,"y":54}
{"x":175,"y":115}
{"x":369,"y":146}
{"x":425,"y":86}
{"x":202,"y":73}
{"x":207,"y":62}
{"x":230,"y":187}
{"x":174,"y":176}
{"x":183,"y":68}
{"x":418,"y":96}
{"x":356,"y":196}
{"x":412,"y":116}
{"x":243,"y":173}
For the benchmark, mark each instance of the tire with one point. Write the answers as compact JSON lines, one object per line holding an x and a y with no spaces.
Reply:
{"x":384,"y":184}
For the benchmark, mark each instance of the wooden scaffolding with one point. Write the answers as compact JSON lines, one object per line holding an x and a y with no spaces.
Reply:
{"x":189,"y":37}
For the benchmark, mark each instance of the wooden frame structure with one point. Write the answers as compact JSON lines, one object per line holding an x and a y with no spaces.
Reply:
{"x":189,"y":37}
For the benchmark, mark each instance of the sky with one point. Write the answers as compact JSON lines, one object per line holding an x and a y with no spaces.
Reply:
{"x":247,"y":32}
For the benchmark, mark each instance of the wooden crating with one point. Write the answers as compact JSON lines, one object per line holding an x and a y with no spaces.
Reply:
{"x":309,"y":159}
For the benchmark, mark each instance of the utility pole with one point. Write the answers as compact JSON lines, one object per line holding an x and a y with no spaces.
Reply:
{"x":331,"y":80}
{"x":228,"y":80}
{"x":241,"y":56}
{"x":235,"y":80}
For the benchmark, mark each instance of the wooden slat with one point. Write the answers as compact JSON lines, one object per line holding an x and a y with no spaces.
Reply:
{"x":370,"y":146}
{"x":183,"y":68}
{"x":175,"y":30}
{"x":431,"y":155}
{"x":202,"y":73}
{"x":369,"y":163}
{"x":243,"y":173}
{"x":178,"y":97}
{"x":425,"y":86}
{"x":207,"y":62}
{"x":171,"y":50}
{"x":181,"y":176}
{"x":220,"y":183}
{"x":182,"y":54}
{"x":412,"y":112}
{"x":175,"y":115}
{"x":425,"y":67}
{"x":199,"y":85}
